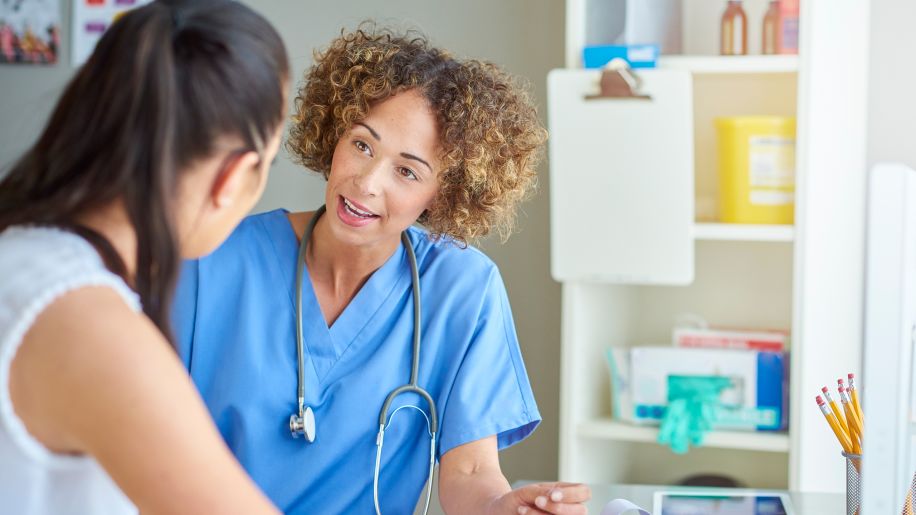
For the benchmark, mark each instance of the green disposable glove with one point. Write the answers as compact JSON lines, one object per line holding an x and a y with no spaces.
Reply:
{"x":693,"y":403}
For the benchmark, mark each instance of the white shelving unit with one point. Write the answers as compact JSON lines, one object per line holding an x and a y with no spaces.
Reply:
{"x":630,"y":195}
{"x":739,"y":440}
{"x":746,"y":232}
{"x":717,"y":64}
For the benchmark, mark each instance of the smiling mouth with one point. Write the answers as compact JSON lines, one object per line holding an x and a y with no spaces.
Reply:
{"x":355,"y":211}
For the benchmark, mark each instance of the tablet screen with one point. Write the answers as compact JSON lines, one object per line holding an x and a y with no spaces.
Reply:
{"x":673,"y":504}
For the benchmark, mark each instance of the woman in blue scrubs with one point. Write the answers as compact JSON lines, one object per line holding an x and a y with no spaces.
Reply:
{"x":403,"y":133}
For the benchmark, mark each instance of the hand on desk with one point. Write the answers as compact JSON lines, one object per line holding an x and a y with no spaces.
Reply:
{"x":470,"y":481}
{"x":538,"y":498}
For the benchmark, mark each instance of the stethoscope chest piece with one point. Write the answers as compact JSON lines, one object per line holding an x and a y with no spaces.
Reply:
{"x":303,"y":424}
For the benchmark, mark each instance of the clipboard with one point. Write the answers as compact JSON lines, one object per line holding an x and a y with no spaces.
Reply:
{"x":621,"y":178}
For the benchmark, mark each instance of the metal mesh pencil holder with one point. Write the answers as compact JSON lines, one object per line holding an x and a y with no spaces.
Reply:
{"x":908,"y":504}
{"x":853,"y":482}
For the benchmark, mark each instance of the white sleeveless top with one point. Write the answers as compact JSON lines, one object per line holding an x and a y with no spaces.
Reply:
{"x":37,"y":265}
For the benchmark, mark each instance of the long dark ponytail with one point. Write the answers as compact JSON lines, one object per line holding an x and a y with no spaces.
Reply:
{"x":164,"y":84}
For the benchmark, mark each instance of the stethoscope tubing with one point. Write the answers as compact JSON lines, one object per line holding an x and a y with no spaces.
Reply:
{"x":411,"y":386}
{"x":300,"y":270}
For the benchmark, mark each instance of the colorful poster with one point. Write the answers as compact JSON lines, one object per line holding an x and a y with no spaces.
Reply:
{"x":91,"y":18}
{"x":29,"y":31}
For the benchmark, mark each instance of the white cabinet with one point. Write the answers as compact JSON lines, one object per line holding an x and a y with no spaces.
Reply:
{"x":635,"y":241}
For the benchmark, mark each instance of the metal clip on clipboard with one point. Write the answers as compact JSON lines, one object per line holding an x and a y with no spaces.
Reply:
{"x":619,"y":82}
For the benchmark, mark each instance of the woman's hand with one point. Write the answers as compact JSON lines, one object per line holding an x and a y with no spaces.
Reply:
{"x":538,"y":498}
{"x":471,"y":482}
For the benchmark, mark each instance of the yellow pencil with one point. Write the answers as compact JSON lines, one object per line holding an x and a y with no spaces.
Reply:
{"x":845,"y":397}
{"x":831,"y":420}
{"x":855,"y":426}
{"x":855,"y":434}
{"x":836,"y":411}
{"x":854,"y":394}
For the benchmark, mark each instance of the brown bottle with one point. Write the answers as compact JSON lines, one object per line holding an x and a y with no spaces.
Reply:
{"x":733,"y":31}
{"x":771,"y":28}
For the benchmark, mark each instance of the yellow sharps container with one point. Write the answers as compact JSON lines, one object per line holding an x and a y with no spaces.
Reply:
{"x":756,"y":169}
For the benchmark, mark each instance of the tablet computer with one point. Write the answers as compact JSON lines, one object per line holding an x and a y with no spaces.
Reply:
{"x":726,"y":502}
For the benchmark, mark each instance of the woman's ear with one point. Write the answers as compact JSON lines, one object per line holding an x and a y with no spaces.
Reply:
{"x":233,"y":182}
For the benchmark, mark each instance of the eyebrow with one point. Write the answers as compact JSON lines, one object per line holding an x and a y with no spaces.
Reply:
{"x":415,"y":158}
{"x":371,"y":130}
{"x":403,"y":154}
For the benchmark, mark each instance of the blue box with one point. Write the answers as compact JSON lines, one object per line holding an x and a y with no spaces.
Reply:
{"x":638,"y":56}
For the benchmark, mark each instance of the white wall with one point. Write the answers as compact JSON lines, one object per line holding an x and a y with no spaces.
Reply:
{"x":525,"y":36}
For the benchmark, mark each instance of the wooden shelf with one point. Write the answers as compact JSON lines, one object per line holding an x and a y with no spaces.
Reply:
{"x":608,"y":429}
{"x":743,"y":232}
{"x":718,"y":64}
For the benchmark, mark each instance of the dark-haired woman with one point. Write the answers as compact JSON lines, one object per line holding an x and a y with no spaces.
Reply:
{"x":403,"y":133}
{"x":150,"y":155}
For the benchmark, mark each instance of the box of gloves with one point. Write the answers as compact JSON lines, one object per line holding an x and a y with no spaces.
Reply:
{"x":735,"y":389}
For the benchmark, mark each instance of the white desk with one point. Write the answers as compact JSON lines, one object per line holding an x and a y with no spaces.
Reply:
{"x":803,"y":503}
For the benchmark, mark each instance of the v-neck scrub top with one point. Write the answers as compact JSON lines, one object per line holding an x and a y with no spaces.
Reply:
{"x":235,"y":327}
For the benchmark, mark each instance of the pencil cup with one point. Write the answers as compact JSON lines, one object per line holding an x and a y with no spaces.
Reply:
{"x":908,"y":503}
{"x":853,"y":482}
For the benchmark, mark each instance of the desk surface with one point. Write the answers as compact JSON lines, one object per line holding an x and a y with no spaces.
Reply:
{"x":802,"y":503}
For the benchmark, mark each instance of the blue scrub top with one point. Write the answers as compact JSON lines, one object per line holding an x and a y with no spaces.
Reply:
{"x":235,"y":326}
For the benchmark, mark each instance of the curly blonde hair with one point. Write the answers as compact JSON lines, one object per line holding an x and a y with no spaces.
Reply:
{"x":490,"y":135}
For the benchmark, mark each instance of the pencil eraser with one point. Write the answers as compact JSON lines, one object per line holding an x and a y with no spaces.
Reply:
{"x":825,"y":390}
{"x":820,"y":400}
{"x":851,"y":376}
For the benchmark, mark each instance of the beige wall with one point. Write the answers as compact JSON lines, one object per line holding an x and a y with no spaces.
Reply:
{"x":524,"y":36}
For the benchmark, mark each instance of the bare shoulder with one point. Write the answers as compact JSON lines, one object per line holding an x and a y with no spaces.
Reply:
{"x":91,"y":319}
{"x":85,"y":341}
{"x":95,"y":377}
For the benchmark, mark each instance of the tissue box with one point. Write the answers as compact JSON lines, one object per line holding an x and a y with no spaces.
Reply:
{"x":756,"y":400}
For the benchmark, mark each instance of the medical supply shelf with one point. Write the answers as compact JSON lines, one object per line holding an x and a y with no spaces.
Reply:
{"x":635,"y":240}
{"x":609,"y":429}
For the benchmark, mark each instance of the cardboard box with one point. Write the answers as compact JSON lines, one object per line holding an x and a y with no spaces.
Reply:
{"x":756,"y":400}
{"x":770,"y":341}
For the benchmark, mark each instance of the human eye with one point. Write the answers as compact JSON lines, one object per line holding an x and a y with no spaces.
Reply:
{"x":407,"y":173}
{"x":362,"y":146}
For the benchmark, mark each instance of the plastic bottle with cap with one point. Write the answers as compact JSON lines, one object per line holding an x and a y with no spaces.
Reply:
{"x":771,"y":29}
{"x":733,"y":29}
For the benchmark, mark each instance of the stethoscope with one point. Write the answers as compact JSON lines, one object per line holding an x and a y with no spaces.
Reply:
{"x":303,"y":423}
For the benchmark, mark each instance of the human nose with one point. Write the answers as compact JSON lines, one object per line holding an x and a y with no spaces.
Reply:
{"x":369,"y":180}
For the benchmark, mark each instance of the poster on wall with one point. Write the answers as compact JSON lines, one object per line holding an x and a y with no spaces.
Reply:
{"x":29,"y":31}
{"x":91,"y":18}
